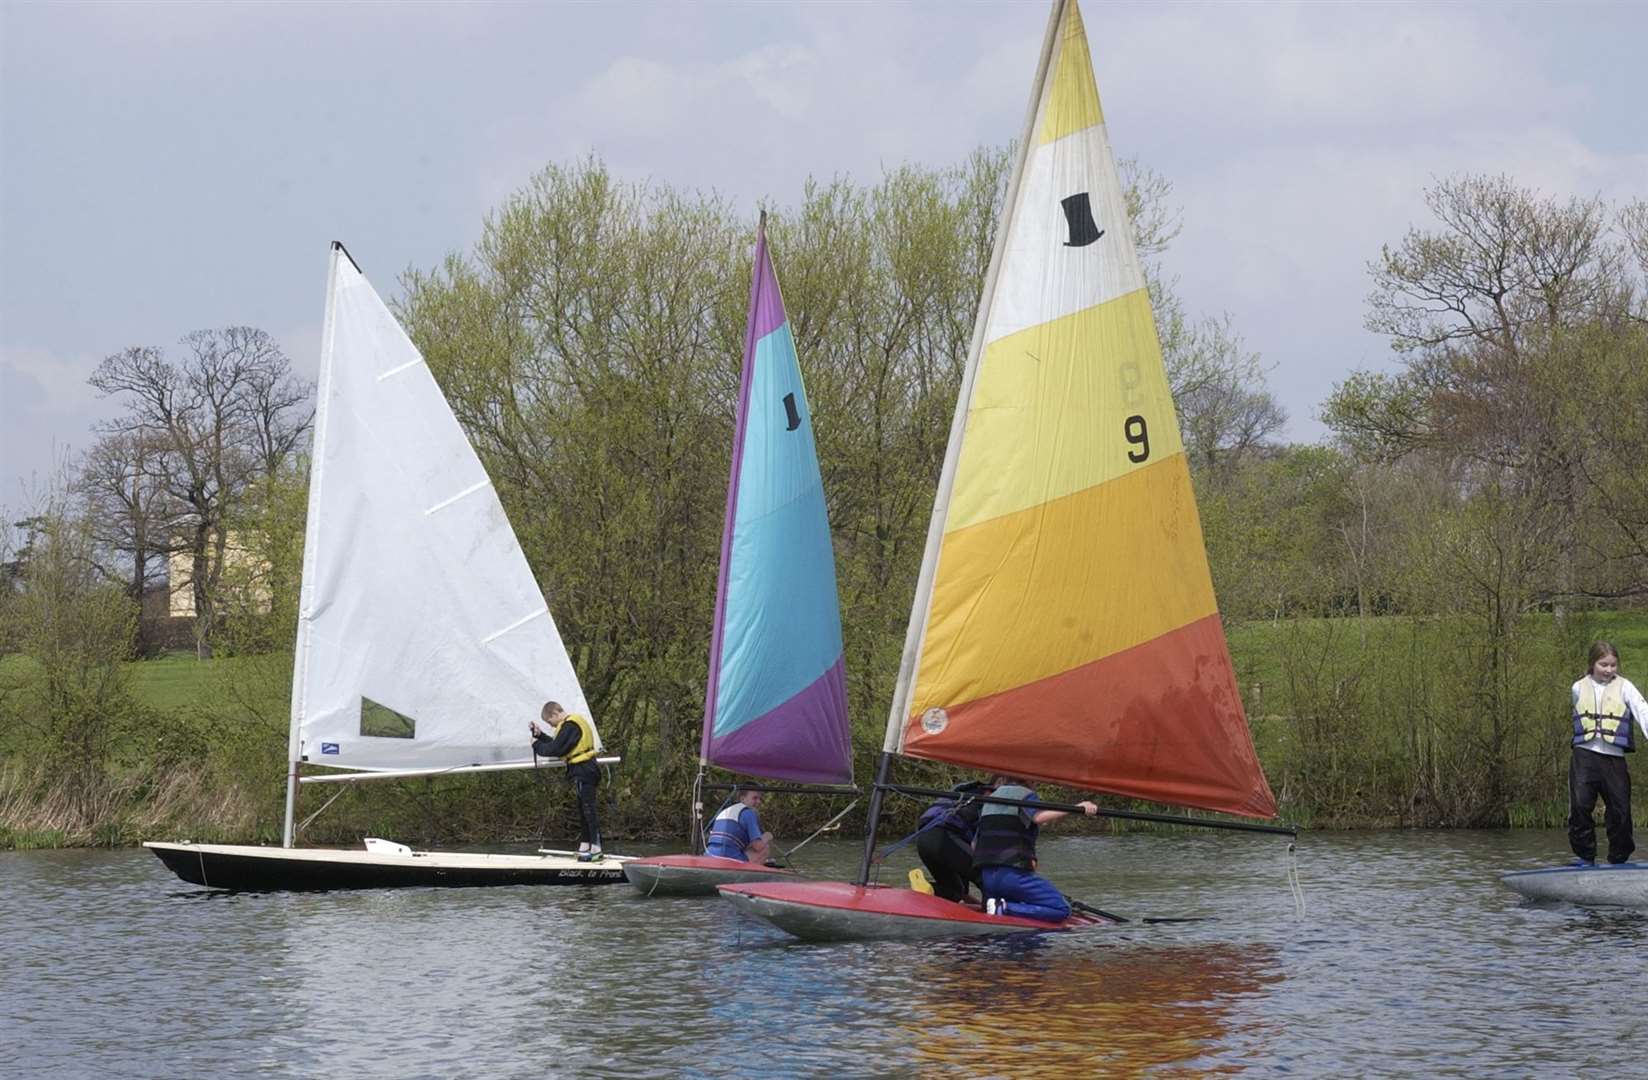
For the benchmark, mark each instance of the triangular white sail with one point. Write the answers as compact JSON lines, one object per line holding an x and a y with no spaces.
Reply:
{"x":423,"y":639}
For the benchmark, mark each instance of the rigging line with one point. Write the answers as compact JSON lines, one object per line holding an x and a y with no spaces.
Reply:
{"x":304,"y":824}
{"x":894,"y":846}
{"x":821,"y":830}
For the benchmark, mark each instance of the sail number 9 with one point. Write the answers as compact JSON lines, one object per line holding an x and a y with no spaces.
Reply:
{"x":1139,"y":435}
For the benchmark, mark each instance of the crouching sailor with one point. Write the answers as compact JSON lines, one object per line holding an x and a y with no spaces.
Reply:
{"x":573,"y":739}
{"x":945,"y":843}
{"x":1004,"y":852}
{"x":736,"y":831}
{"x":1604,"y":704}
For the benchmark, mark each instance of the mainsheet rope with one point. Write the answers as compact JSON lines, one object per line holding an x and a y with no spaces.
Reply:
{"x":881,"y":856}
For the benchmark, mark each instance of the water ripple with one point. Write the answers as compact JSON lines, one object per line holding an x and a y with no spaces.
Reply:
{"x":1411,"y":958}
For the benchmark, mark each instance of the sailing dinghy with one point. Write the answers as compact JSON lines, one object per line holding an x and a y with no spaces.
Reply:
{"x":1064,"y":626}
{"x":424,"y":645}
{"x":776,"y":701}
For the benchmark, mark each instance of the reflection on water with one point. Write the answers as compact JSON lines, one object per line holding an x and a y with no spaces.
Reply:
{"x":1412,"y":959}
{"x":1112,"y":1008}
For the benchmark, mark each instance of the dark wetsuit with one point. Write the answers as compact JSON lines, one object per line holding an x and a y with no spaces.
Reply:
{"x":946,"y":842}
{"x":585,"y":777}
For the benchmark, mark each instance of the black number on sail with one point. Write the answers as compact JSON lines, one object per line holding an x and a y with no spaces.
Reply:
{"x":1139,"y":435}
{"x":1078,"y":214}
{"x":789,"y":410}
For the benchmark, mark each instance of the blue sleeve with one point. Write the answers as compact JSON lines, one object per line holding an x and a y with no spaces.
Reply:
{"x":752,"y":824}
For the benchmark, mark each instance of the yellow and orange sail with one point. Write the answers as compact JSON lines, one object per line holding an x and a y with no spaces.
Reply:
{"x":1065,"y":627}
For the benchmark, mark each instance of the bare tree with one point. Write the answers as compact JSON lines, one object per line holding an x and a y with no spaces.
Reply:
{"x":1515,"y":320}
{"x":229,"y":413}
{"x":125,"y":507}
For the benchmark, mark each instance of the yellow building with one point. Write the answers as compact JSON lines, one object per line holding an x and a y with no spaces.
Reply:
{"x":243,"y":583}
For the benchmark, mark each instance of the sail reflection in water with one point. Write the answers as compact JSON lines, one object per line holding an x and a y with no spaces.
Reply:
{"x":1098,"y":1012}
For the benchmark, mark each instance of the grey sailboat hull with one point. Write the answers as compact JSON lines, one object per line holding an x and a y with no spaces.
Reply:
{"x":1618,"y":885}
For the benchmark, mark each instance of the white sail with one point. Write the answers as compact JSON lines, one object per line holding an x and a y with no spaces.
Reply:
{"x":423,"y":640}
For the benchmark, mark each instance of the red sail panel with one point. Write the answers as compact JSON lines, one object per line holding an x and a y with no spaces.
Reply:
{"x":1161,"y":721}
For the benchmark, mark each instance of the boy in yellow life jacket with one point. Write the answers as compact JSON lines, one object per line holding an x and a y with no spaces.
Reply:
{"x":573,"y":739}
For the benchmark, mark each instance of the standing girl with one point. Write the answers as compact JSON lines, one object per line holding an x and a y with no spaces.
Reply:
{"x":1604,"y":705}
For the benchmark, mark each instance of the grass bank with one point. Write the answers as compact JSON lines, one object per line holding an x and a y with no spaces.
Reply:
{"x":1373,"y":722}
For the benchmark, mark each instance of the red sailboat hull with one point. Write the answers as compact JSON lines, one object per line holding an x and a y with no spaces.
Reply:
{"x":838,"y":911}
{"x":696,"y":875}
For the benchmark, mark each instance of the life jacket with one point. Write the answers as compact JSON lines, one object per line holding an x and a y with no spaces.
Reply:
{"x":961,"y":820}
{"x":588,"y":744}
{"x":1607,"y":719}
{"x":1006,"y":834}
{"x":728,"y":837}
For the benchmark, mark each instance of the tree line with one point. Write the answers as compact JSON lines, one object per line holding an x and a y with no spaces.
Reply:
{"x":1485,"y":499}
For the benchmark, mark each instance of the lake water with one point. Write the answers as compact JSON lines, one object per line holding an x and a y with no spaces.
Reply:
{"x":1411,"y":959}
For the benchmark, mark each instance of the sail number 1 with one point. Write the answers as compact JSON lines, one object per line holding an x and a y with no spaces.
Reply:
{"x":1138,"y":433}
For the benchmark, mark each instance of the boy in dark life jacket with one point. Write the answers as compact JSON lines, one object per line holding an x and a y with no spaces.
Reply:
{"x":736,"y":831}
{"x":1004,"y":853}
{"x":945,"y":842}
{"x":573,"y":739}
{"x":1604,"y":705}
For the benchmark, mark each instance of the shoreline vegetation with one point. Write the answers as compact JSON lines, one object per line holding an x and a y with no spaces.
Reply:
{"x":1407,"y":600}
{"x":1345,"y":716}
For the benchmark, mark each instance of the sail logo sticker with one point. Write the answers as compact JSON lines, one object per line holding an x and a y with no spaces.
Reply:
{"x":1078,"y":214}
{"x":934,"y":720}
{"x":328,"y":747}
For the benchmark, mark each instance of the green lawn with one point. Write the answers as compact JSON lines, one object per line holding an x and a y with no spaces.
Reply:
{"x":176,"y":680}
{"x":1257,"y":648}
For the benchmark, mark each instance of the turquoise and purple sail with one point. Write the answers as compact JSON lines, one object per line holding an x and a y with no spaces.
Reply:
{"x":776,"y":704}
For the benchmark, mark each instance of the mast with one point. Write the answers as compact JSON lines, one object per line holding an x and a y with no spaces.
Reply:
{"x":916,"y":629}
{"x":311,"y":544}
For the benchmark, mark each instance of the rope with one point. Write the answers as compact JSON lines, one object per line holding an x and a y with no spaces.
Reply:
{"x":821,"y":830}
{"x":695,"y":840}
{"x":1294,"y":883}
{"x":304,"y":824}
{"x":881,"y":856}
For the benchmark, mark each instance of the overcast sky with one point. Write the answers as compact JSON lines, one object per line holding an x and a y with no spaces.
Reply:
{"x":170,"y":167}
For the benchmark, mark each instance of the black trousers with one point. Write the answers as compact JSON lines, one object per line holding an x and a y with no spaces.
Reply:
{"x":949,"y":861}
{"x":586,"y":777}
{"x":1591,"y":774}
